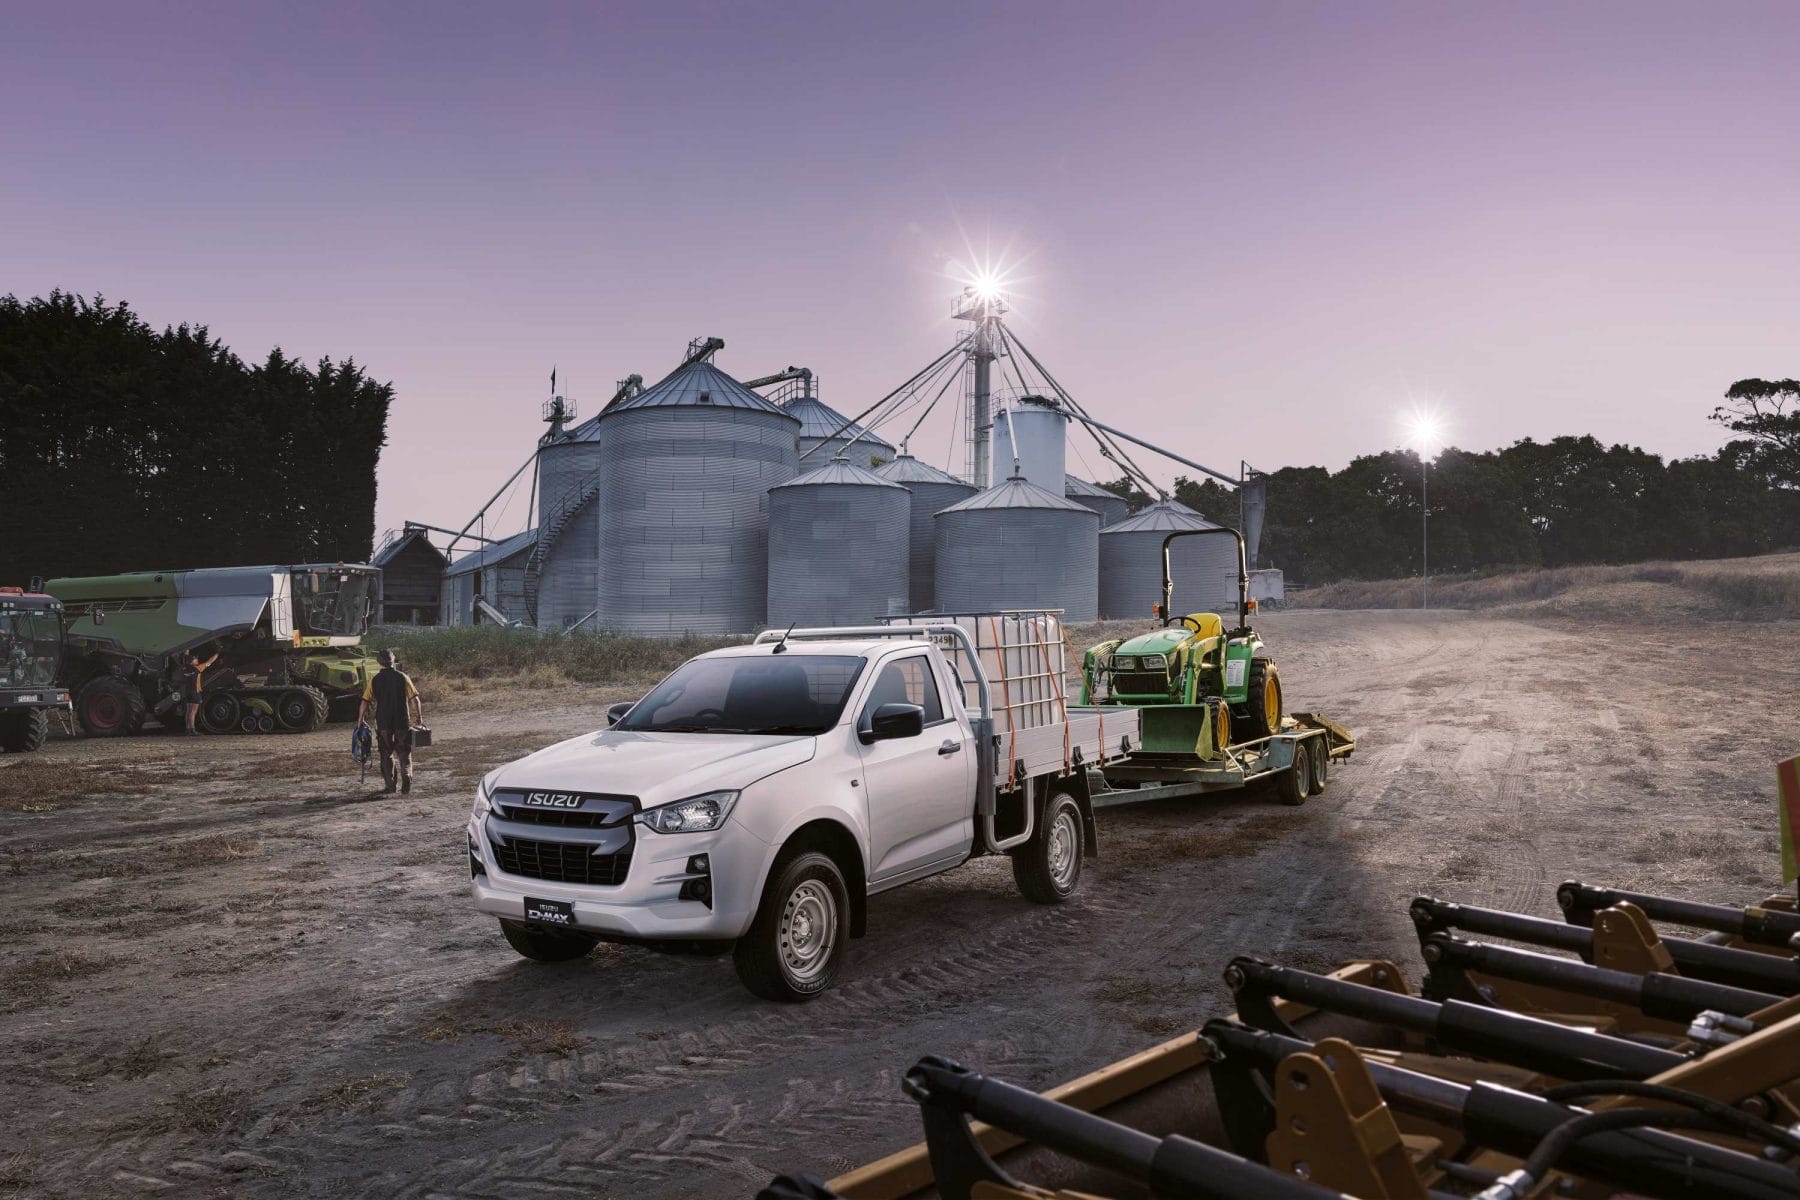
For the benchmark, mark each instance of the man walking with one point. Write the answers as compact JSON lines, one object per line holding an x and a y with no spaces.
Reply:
{"x":395,"y":700}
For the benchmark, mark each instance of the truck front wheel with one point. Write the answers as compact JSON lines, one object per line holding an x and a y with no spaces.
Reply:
{"x":1048,"y":867}
{"x":793,"y":947}
{"x":547,"y":945}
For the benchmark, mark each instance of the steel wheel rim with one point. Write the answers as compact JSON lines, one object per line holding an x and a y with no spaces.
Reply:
{"x":809,"y":927}
{"x":1062,"y":850}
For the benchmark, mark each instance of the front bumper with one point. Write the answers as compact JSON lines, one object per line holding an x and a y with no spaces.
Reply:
{"x":648,"y":905}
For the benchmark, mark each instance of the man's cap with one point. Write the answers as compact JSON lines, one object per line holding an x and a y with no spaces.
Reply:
{"x":385,"y":658}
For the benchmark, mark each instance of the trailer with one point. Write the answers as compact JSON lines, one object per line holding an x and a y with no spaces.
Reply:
{"x":1296,"y":762}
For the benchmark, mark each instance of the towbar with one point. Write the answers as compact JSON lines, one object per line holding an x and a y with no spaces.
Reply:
{"x":1764,"y":926}
{"x":1666,"y":997}
{"x":1653,"y":1162}
{"x":950,"y":1094}
{"x":1510,"y":1037}
{"x":1696,"y":960}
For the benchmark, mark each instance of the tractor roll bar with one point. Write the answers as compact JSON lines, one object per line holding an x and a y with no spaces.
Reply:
{"x":1168,"y":581}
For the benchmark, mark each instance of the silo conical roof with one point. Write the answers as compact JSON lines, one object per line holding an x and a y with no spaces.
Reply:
{"x":1164,"y":516}
{"x":1016,"y":493}
{"x":819,"y":420}
{"x":1074,"y":485}
{"x":840,"y":471}
{"x":697,"y":385}
{"x":906,"y":470}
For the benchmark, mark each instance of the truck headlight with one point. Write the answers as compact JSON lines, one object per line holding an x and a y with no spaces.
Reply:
{"x":1154,"y":662}
{"x":484,"y":794}
{"x":696,"y":814}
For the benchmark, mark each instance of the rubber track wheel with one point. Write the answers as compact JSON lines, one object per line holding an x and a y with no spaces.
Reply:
{"x":547,"y":945}
{"x":1295,"y":784}
{"x":114,"y":695}
{"x":1031,"y":862}
{"x":25,"y":731}
{"x":302,"y":720}
{"x":757,"y":955}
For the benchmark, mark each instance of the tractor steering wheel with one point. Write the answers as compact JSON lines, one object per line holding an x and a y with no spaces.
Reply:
{"x":1189,"y":622}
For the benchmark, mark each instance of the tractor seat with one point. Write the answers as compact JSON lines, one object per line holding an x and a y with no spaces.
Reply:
{"x":1210,"y":625}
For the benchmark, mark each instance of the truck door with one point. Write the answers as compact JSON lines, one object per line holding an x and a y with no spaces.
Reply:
{"x":919,"y":789}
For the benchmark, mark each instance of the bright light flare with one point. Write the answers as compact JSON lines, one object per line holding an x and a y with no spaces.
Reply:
{"x":1425,"y":431}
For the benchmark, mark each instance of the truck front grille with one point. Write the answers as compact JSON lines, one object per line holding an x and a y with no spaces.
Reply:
{"x":561,"y":862}
{"x":552,"y":816}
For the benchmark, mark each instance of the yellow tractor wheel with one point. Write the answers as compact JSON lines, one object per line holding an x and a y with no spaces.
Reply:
{"x":1263,"y":704}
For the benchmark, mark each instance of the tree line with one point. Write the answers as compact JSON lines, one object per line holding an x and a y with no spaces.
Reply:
{"x":122,"y":448}
{"x":1567,"y":501}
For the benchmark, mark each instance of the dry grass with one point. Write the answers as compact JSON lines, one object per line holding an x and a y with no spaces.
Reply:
{"x":1762,"y":588}
{"x":33,"y":981}
{"x":358,"y":1095}
{"x":35,"y":784}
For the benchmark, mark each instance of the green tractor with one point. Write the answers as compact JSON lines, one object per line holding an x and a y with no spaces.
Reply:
{"x":289,"y":641}
{"x":1202,"y":687}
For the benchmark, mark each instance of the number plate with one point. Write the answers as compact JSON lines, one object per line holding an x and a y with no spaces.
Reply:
{"x":559,"y":913}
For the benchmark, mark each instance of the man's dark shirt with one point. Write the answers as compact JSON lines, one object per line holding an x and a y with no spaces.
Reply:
{"x":389,"y":690}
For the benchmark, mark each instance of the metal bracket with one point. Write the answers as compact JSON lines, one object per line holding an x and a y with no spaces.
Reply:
{"x":1624,"y":940}
{"x":1333,"y":1129}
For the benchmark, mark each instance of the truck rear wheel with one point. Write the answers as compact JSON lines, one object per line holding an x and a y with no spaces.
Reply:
{"x":23,"y":732}
{"x":1048,"y":867}
{"x":1295,"y":784}
{"x":547,"y":945}
{"x":792,"y":949}
{"x":302,"y":709}
{"x":110,"y":707}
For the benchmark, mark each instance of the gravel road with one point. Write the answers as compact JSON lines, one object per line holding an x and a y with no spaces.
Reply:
{"x":226,"y":969}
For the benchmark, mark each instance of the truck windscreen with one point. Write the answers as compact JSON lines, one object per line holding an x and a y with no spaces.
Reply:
{"x":333,"y":603}
{"x":790,"y":693}
{"x":30,"y":646}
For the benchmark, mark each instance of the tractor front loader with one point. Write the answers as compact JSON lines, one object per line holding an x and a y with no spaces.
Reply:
{"x":288,"y":640}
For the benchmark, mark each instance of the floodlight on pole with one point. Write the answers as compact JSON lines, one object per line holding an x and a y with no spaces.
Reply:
{"x":1425,"y":434}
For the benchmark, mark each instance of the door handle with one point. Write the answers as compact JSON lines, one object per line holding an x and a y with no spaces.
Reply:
{"x":950,"y":748}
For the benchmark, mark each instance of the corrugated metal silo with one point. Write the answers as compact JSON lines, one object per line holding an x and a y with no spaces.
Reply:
{"x":1037,"y":430}
{"x":685,"y":472}
{"x":1112,"y":508}
{"x":837,"y":547}
{"x":821,"y":439}
{"x":568,"y":563}
{"x":932,"y":490}
{"x":1204,"y":570}
{"x":1018,"y":546}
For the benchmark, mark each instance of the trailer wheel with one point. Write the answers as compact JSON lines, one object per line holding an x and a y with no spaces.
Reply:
{"x":794,"y":946}
{"x":547,"y":945}
{"x":1262,"y":705}
{"x":23,"y":732}
{"x":302,"y":709}
{"x":110,"y":707}
{"x":1295,"y":783}
{"x":220,"y":712}
{"x":1321,"y":764}
{"x":1048,"y":867}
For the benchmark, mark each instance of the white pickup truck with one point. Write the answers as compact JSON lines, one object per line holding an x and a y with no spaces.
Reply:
{"x":756,"y":798}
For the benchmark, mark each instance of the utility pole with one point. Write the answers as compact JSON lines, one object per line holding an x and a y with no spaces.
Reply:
{"x":1424,"y":531}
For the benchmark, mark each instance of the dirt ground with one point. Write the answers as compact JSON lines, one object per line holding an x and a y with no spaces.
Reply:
{"x":228,"y":970}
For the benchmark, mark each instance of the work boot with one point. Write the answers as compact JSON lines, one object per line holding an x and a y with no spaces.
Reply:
{"x":406,"y":785}
{"x":389,"y":789}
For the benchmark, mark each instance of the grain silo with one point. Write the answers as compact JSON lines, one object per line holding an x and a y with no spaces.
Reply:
{"x":1204,"y":569}
{"x":825,"y":432}
{"x":1036,"y":429}
{"x":1018,"y":546}
{"x":932,"y":490}
{"x":1110,"y":505}
{"x":685,"y":472}
{"x":837,"y":547}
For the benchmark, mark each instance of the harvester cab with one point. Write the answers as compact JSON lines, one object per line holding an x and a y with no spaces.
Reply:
{"x":30,"y":657}
{"x":288,"y":640}
{"x":1219,"y":683}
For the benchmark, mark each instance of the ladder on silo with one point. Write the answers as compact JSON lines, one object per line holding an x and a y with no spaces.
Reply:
{"x":549,"y":529}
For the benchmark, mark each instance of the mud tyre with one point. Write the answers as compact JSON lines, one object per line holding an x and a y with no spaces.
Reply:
{"x":1294,"y":785}
{"x":1048,"y":867}
{"x":23,"y":732}
{"x":1263,"y":704}
{"x":110,"y":707}
{"x":547,"y":945}
{"x":220,"y":712}
{"x":302,"y":709}
{"x":794,"y":947}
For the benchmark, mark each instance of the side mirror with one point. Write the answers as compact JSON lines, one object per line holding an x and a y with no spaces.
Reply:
{"x":892,"y":721}
{"x":616,"y":712}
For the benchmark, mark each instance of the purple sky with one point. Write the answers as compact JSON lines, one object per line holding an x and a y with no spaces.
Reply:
{"x":1253,"y":231}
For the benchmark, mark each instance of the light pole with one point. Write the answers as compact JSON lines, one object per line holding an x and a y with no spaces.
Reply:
{"x":1425,"y":434}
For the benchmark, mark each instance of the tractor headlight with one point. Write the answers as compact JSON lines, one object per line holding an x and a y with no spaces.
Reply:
{"x":696,"y":814}
{"x":1124,"y":662}
{"x":1153,"y":662}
